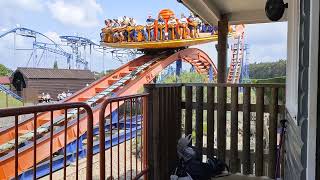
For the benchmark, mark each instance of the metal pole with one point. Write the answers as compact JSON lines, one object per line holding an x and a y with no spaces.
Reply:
{"x":103,"y":56}
{"x":7,"y":103}
{"x":35,"y":53}
{"x":14,"y":46}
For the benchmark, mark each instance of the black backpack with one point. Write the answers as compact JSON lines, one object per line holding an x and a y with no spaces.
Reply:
{"x":203,"y":171}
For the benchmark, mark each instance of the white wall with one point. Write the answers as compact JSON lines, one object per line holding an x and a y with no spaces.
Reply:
{"x":313,"y":88}
{"x":292,"y":74}
{"x":293,"y":58}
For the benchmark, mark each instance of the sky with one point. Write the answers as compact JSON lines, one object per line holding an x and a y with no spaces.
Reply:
{"x":267,"y":42}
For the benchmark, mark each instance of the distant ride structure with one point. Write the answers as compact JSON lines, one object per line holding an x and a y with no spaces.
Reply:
{"x":163,"y":41}
{"x":42,"y":46}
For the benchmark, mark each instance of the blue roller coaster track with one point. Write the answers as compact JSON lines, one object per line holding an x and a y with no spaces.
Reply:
{"x":9,"y":92}
{"x":74,"y":42}
{"x":52,"y":47}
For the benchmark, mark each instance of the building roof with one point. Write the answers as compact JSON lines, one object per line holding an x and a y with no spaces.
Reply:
{"x":46,"y":73}
{"x":4,"y":80}
{"x":237,"y":11}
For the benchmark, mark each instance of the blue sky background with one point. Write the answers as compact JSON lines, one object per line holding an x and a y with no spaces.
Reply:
{"x":85,"y":18}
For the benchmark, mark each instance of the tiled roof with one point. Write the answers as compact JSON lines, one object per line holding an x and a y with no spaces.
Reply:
{"x":4,"y":80}
{"x":46,"y":73}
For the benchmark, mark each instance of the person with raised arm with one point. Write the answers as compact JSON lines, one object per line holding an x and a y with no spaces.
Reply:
{"x":124,"y":26}
{"x":150,"y":27}
{"x":115,"y":31}
{"x":131,"y":30}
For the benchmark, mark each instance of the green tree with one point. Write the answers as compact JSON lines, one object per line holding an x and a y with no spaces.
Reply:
{"x":186,"y":77}
{"x":55,"y":65}
{"x":267,"y":70}
{"x":4,"y":71}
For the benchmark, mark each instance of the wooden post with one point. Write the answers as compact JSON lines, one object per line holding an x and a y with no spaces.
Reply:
{"x":153,"y":133}
{"x":222,"y":48}
{"x":178,"y":103}
{"x":246,"y":131}
{"x":222,"y":61}
{"x":199,"y":120}
{"x":188,"y":121}
{"x":259,"y":131}
{"x":164,"y":131}
{"x":234,"y":158}
{"x":273,"y":132}
{"x":210,"y":121}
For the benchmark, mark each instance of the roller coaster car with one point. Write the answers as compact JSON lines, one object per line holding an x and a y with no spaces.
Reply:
{"x":107,"y":35}
{"x":161,"y":26}
{"x":183,"y":25}
{"x":173,"y":25}
{"x":184,"y":32}
{"x":140,"y":36}
{"x":149,"y":27}
{"x":194,"y":24}
{"x":129,"y":29}
{"x":193,"y":32}
{"x":167,"y":44}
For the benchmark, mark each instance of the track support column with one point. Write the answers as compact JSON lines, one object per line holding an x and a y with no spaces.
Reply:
{"x":178,"y":67}
{"x":222,"y":62}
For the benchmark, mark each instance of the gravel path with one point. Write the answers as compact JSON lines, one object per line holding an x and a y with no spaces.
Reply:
{"x":96,"y":169}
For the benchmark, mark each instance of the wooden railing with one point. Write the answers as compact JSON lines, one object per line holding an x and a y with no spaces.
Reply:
{"x":238,"y":121}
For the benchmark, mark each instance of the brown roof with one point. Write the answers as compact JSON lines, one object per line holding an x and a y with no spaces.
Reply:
{"x":46,"y":73}
{"x":4,"y":80}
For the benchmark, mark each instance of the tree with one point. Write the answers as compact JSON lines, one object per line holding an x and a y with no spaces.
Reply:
{"x":4,"y":71}
{"x":267,"y":69}
{"x":55,"y":65}
{"x":186,"y":77}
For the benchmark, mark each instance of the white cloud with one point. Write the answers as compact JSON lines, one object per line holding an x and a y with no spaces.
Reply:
{"x":81,"y":13}
{"x":13,"y":11}
{"x":53,"y":36}
{"x":267,"y":33}
{"x":32,"y":5}
{"x":268,"y":52}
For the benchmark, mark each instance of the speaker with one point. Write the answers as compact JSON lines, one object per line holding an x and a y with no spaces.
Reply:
{"x":275,"y":9}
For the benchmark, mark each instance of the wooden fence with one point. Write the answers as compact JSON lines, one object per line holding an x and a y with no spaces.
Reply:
{"x":237,"y":123}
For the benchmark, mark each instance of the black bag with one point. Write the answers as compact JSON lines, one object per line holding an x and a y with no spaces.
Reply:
{"x":203,"y":171}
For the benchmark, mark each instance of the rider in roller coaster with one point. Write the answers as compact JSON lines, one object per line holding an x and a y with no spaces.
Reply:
{"x":183,"y":27}
{"x":161,"y":28}
{"x":150,"y":28}
{"x":125,"y":29}
{"x":172,"y":25}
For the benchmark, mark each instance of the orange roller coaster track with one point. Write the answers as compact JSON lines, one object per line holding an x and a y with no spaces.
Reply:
{"x":126,"y":80}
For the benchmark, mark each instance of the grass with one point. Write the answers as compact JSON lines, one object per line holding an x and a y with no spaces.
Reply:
{"x":12,"y":102}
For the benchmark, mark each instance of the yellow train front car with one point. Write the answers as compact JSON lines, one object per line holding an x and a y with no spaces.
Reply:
{"x":162,"y":44}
